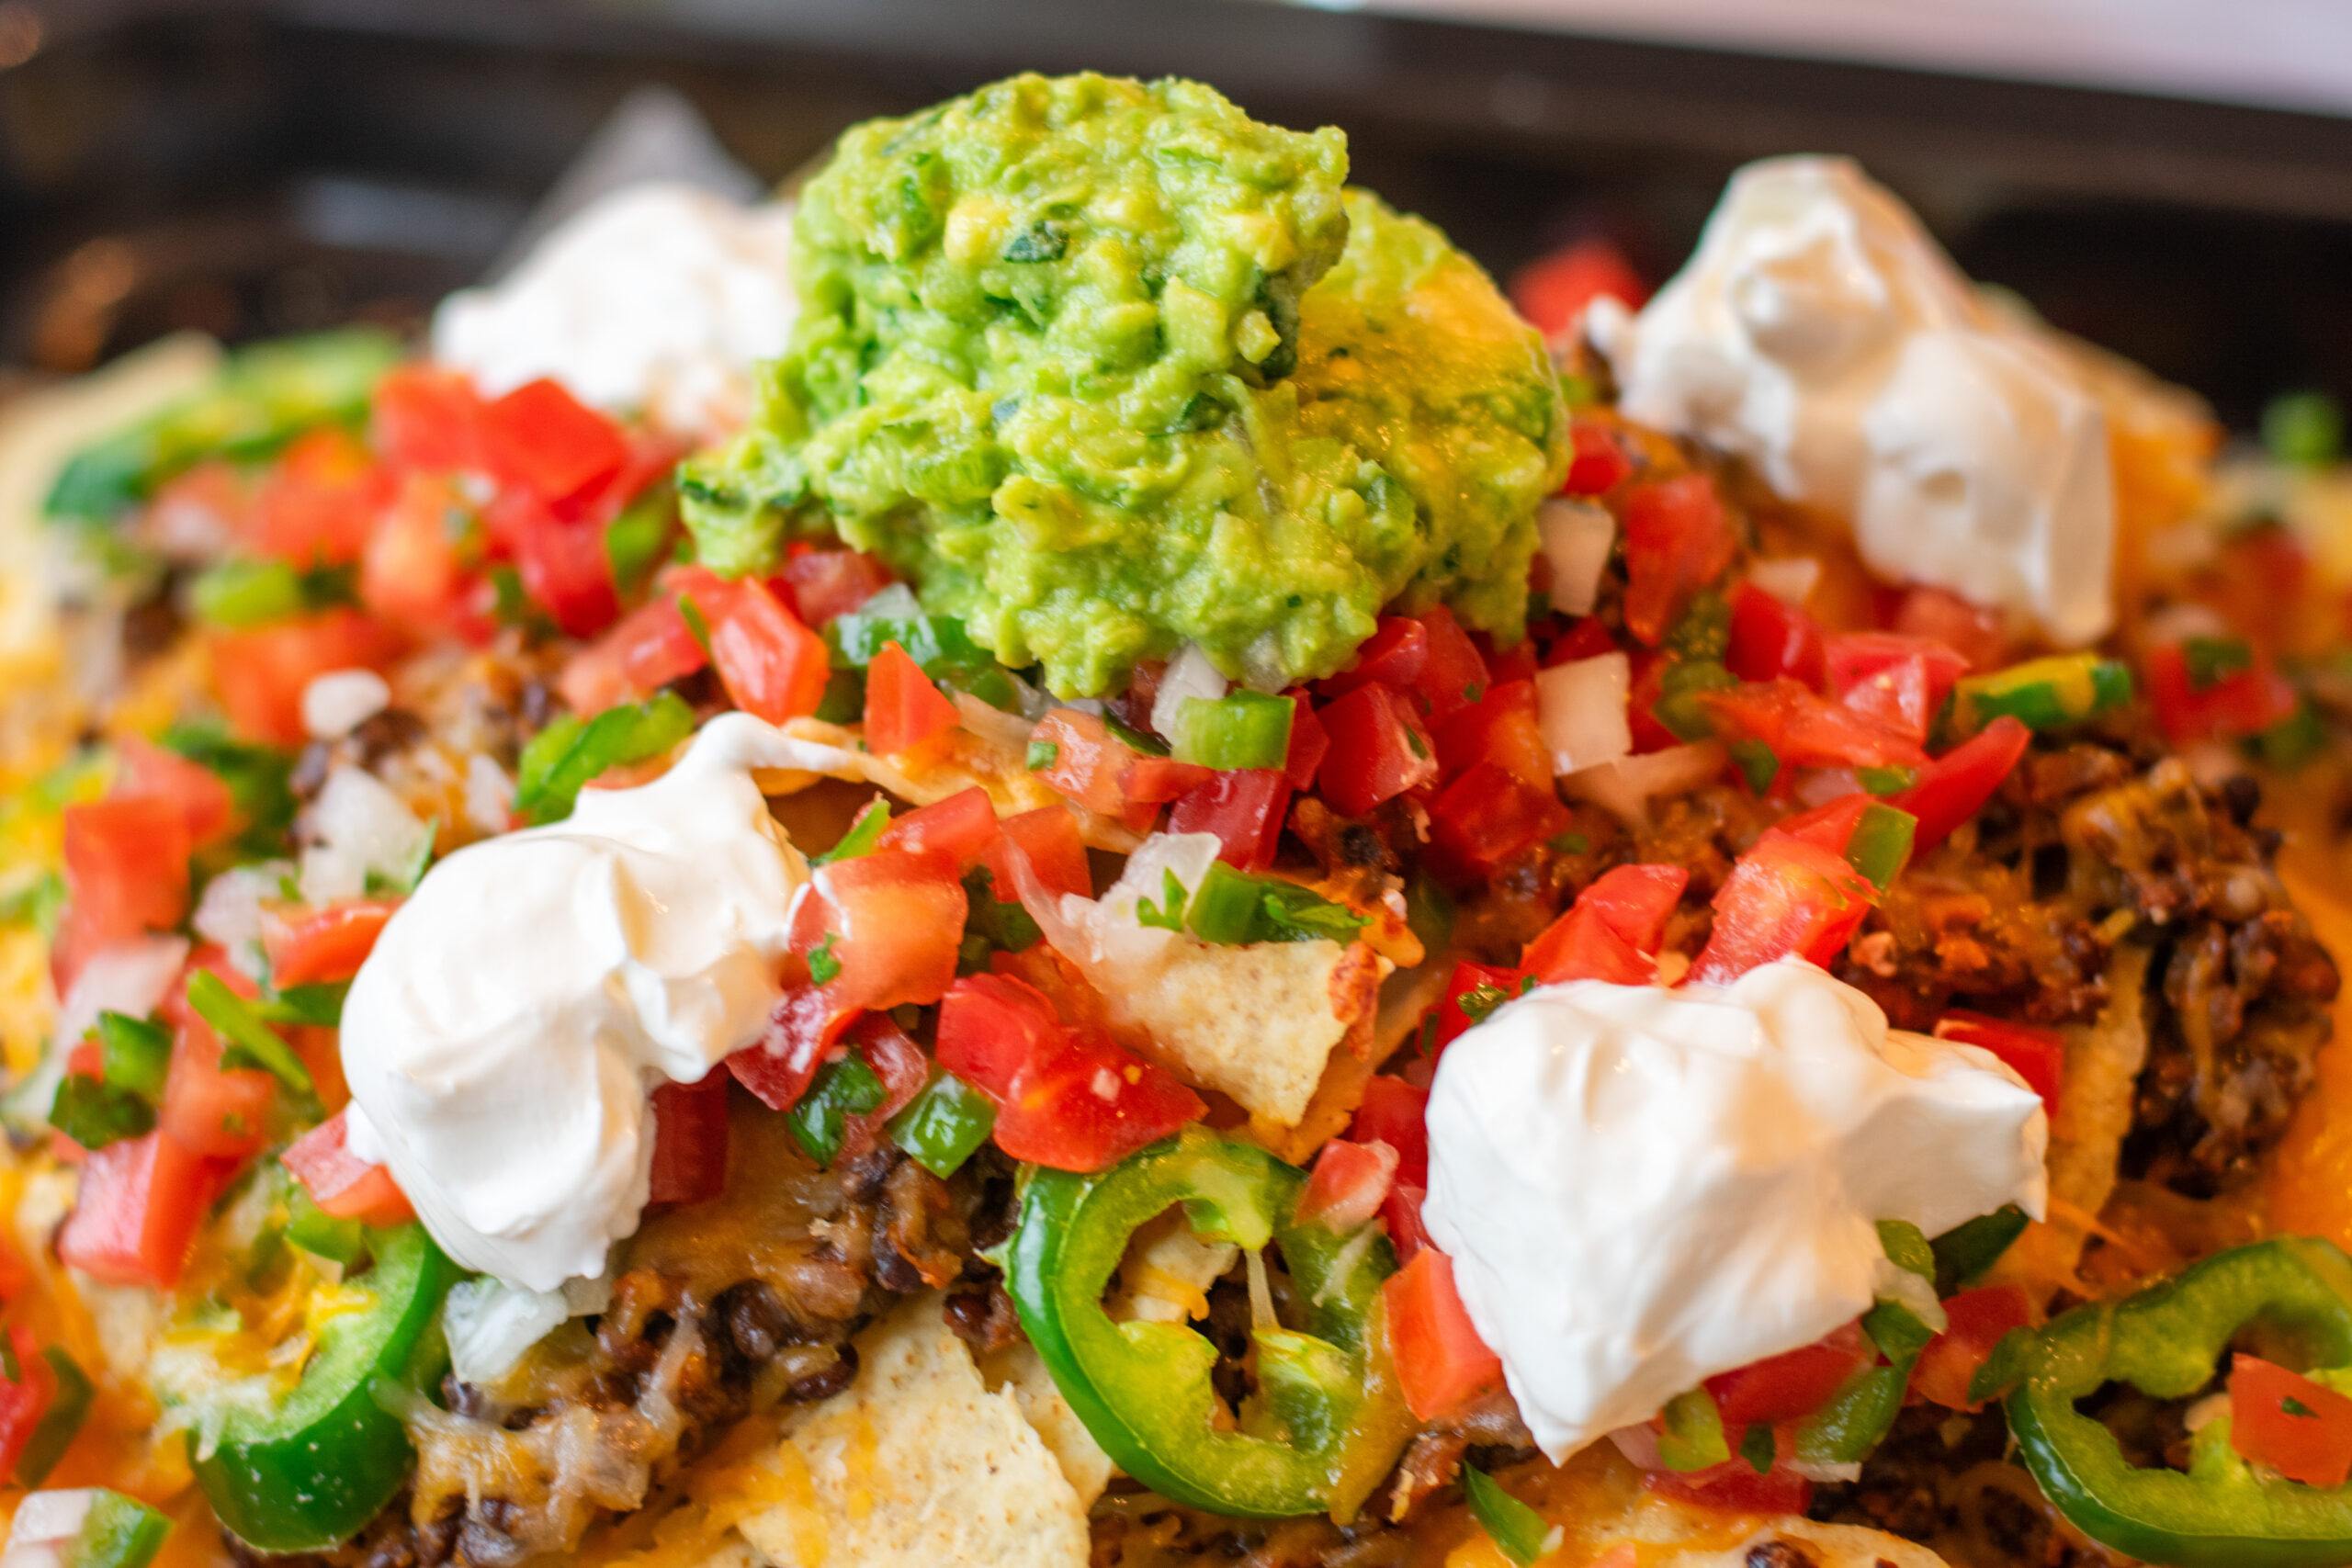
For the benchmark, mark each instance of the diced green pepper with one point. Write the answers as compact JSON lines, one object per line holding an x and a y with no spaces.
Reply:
{"x":320,"y":1005}
{"x":1965,"y":1252}
{"x":246,"y":593}
{"x":2211,"y":661}
{"x":872,"y":821}
{"x":1757,"y":763}
{"x":1517,"y":1531}
{"x":936,"y":642}
{"x":844,"y":698}
{"x":2304,"y":430}
{"x":259,"y":786}
{"x":1429,"y":911}
{"x":945,"y":1125}
{"x":1234,"y":907}
{"x":134,"y":1054}
{"x":1703,"y":632}
{"x":1887,"y":781}
{"x":991,"y":924}
{"x":1240,"y":729}
{"x":2292,"y":741}
{"x":1679,"y":707}
{"x":1329,"y":1420}
{"x":116,"y":1532}
{"x":246,"y":1040}
{"x":819,"y":1120}
{"x":54,"y":1432}
{"x":1881,"y":845}
{"x":95,"y":1114}
{"x":562,"y":758}
{"x":637,"y":539}
{"x":318,"y":1233}
{"x":1692,"y":1437}
{"x":1850,"y":1426}
{"x":2042,"y":694}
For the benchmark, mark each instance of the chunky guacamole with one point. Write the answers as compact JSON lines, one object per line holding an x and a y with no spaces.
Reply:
{"x":1105,"y":366}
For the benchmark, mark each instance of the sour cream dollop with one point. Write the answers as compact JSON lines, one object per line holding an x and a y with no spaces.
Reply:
{"x":1641,"y":1188}
{"x":659,"y":298}
{"x":503,"y":1037}
{"x":1819,"y":332}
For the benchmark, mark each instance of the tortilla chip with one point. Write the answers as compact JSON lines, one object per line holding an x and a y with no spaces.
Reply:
{"x":954,"y":762}
{"x":1822,"y":1546}
{"x":1019,"y":1370}
{"x":917,"y":1464}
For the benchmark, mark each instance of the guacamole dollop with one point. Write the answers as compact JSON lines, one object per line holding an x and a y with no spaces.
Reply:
{"x":1104,"y":367}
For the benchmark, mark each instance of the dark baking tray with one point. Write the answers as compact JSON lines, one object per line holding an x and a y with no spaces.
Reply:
{"x":277,"y":164}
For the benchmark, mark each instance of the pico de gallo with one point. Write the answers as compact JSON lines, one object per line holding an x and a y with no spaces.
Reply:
{"x":1130,"y":948}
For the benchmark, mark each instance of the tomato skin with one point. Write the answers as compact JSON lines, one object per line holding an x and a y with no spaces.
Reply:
{"x":1348,"y":1184}
{"x":1087,"y":765}
{"x":2314,"y":1448}
{"x":1394,"y":1113}
{"x":778,"y":1066}
{"x":1900,"y":681}
{"x":1486,"y":818}
{"x":2231,"y":708}
{"x":1159,"y":780}
{"x":1792,"y":1385}
{"x":1678,"y":540}
{"x":207,"y":809}
{"x":1785,"y":897}
{"x":561,"y":560}
{"x":1613,"y":930}
{"x":1066,"y":1096}
{"x":1735,"y":1487}
{"x":125,"y":865}
{"x":216,"y":1112}
{"x":1379,"y":750}
{"x":1770,"y":639}
{"x":896,"y":919}
{"x":650,"y":647}
{"x":773,"y":667}
{"x":1245,"y":809}
{"x":903,"y":709}
{"x":25,"y":1399}
{"x":830,"y":583}
{"x":324,"y":945}
{"x":343,"y":1186}
{"x":1442,"y":1363}
{"x":1597,"y":463}
{"x":137,"y":1211}
{"x":1049,"y":836}
{"x":1500,"y":728}
{"x":1394,"y":655}
{"x":261,"y":674}
{"x":1954,"y":787}
{"x":1309,"y":744}
{"x":689,"y":1140}
{"x":1451,"y":1021}
{"x":1977,"y":1320}
{"x":1454,"y":674}
{"x":318,"y":503}
{"x":962,"y":828}
{"x":409,"y":575}
{"x":2037,"y":1054}
{"x":428,"y":419}
{"x":540,"y":437}
{"x":1804,"y":729}
{"x":1553,"y":290}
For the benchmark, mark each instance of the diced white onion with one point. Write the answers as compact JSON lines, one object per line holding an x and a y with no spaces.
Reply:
{"x":335,"y":704}
{"x":1819,"y":786}
{"x":1581,"y":709}
{"x":1578,"y":537}
{"x":1892,"y":1283}
{"x":1789,"y":578}
{"x":1189,"y":675}
{"x":896,"y":602}
{"x":357,"y":827}
{"x":130,"y":976}
{"x":1005,"y":732}
{"x":2179,"y":622}
{"x":489,"y":794}
{"x":490,"y":1325}
{"x":230,"y":914}
{"x":45,"y":1522}
{"x":1623,"y":787}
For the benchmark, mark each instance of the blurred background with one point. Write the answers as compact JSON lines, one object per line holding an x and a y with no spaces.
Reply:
{"x":2172,"y":178}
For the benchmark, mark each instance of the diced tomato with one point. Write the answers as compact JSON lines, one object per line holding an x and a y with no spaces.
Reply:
{"x":1678,"y":540}
{"x":1793,"y":1383}
{"x":903,"y":709}
{"x":1944,"y":616}
{"x":1402,"y":1214}
{"x":1394,"y":1113}
{"x":1487,"y":817}
{"x":1066,"y":1096}
{"x":1976,"y":1320}
{"x":1735,"y":1487}
{"x":1770,"y":639}
{"x":1454,"y":675}
{"x":322,"y":945}
{"x":316,"y":504}
{"x":541,"y":437}
{"x":1469,"y":979}
{"x":778,"y":1066}
{"x":137,"y":1211}
{"x":1245,"y":809}
{"x":1309,"y":744}
{"x":962,"y":829}
{"x":1955,"y":786}
{"x":1586,"y":638}
{"x":1901,"y":681}
{"x":891,"y":921}
{"x":428,"y":419}
{"x":1500,"y":728}
{"x":25,"y":1398}
{"x":1804,"y":729}
{"x":903,"y":1070}
{"x":208,"y":502}
{"x":2233,"y":707}
{"x":1049,"y":838}
{"x":1786,"y":897}
{"x":220,"y":1112}
{"x":2300,"y":1428}
{"x":409,"y":574}
{"x":1597,"y":464}
{"x":1442,"y":1364}
{"x":1159,"y":780}
{"x":125,"y":865}
{"x":1394,"y":655}
{"x":773,"y":667}
{"x":1379,"y":750}
{"x":830,"y":583}
{"x":1133,"y":706}
{"x":343,"y":1186}
{"x":1553,"y":291}
{"x":1087,"y":765}
{"x":562,"y":561}
{"x":2037,"y":1054}
{"x":262,"y":673}
{"x":650,"y":647}
{"x":1613,"y":930}
{"x":689,"y":1140}
{"x":1347,"y":1186}
{"x":206,"y":809}
{"x":1648,"y":732}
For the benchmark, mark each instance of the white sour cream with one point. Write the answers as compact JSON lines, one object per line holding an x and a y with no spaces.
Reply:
{"x":1820,"y":333}
{"x":1641,"y":1188}
{"x":503,"y":1037}
{"x":658,"y":297}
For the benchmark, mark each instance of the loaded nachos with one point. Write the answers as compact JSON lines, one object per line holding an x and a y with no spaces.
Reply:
{"x":1069,"y":856}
